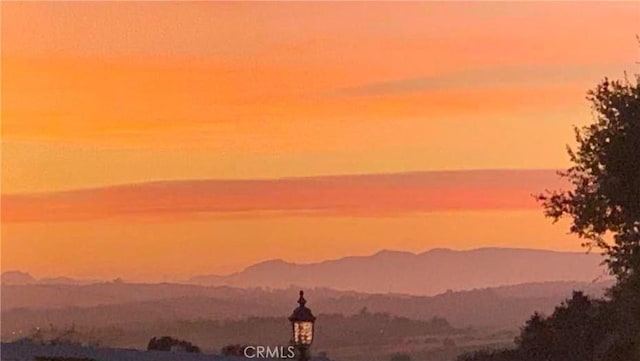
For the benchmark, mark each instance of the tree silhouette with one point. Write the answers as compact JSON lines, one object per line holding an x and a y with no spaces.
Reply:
{"x":604,"y":206}
{"x":536,"y":337}
{"x":605,"y":177}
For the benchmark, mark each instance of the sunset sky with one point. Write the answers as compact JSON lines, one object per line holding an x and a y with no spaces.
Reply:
{"x":157,"y":140}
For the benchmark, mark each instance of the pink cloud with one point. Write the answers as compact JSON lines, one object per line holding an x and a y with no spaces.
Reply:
{"x":361,"y":195}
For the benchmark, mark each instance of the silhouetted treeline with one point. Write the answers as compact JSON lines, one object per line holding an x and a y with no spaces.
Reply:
{"x":581,"y":329}
{"x":368,"y":327}
{"x":504,"y":307}
{"x":331,"y":330}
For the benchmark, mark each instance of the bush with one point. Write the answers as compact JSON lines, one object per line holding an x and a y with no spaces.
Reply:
{"x":400,"y":357}
{"x":167,"y":343}
{"x":580,"y":329}
{"x":233,"y":350}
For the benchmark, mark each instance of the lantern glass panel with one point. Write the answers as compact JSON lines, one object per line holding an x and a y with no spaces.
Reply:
{"x":303,"y":332}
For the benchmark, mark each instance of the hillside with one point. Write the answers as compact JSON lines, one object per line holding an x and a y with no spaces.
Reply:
{"x":427,"y":273}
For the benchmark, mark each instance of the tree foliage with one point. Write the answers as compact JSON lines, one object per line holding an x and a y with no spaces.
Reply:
{"x":604,"y":202}
{"x":580,"y":329}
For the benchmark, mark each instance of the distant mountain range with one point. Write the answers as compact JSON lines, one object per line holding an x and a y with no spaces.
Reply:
{"x":427,"y":273}
{"x":25,"y":278}
{"x":123,"y":314}
{"x":482,"y":296}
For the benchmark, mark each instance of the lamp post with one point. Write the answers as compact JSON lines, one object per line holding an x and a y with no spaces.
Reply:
{"x":302,"y":321}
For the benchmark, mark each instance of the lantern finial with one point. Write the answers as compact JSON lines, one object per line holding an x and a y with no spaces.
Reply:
{"x":301,"y":300}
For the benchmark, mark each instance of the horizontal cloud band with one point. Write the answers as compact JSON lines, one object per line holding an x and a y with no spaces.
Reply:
{"x":347,"y":195}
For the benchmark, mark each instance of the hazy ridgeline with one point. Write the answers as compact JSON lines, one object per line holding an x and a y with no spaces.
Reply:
{"x":118,"y":314}
{"x":111,"y":303}
{"x":428,"y":273}
{"x":358,"y":316}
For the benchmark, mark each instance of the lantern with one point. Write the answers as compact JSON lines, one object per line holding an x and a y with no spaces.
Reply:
{"x":302,"y":321}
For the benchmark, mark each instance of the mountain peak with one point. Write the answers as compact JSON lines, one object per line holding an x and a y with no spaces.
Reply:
{"x":390,"y":252}
{"x":428,"y":273}
{"x":271,"y":263}
{"x":17,"y":278}
{"x":439,"y":251}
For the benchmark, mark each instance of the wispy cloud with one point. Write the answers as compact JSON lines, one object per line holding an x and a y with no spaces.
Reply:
{"x":359,"y":195}
{"x":487,"y":78}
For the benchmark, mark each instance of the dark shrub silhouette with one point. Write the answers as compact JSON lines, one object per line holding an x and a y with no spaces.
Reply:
{"x":41,"y":358}
{"x":233,"y":350}
{"x":400,"y":357}
{"x":580,"y":329}
{"x":167,"y":343}
{"x":490,"y":355}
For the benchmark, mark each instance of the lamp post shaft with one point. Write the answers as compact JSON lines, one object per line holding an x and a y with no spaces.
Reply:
{"x":303,"y":353}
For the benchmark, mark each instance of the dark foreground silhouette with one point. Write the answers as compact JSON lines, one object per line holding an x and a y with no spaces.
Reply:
{"x":604,"y":206}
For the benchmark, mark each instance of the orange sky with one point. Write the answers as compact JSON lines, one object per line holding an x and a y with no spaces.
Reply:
{"x":103,"y":94}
